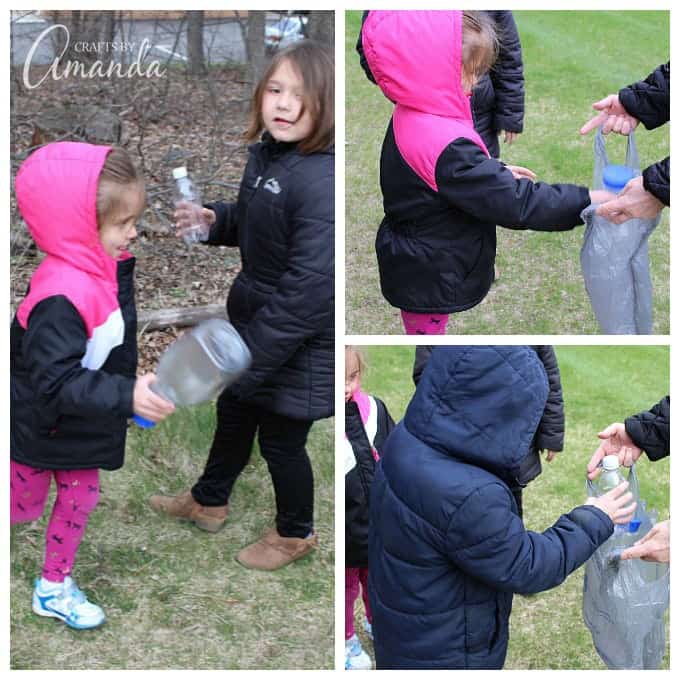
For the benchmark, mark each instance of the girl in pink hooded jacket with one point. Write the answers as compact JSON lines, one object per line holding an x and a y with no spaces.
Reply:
{"x":73,"y":354}
{"x":443,"y":194}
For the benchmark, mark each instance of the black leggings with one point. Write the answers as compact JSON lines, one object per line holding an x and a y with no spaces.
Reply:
{"x":282,"y":444}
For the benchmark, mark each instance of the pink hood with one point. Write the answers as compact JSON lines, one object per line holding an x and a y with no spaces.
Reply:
{"x":415,"y":57}
{"x":56,"y":189}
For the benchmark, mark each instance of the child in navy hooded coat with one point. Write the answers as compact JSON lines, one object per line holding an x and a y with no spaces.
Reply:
{"x":443,"y":194}
{"x":447,"y":548}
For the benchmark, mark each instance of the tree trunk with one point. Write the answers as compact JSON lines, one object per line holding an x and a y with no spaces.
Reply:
{"x":179,"y":316}
{"x":321,"y":27}
{"x":195,"y":42}
{"x":255,"y":47}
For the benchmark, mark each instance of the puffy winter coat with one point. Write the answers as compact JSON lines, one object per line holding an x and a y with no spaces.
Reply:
{"x":442,"y":194}
{"x":651,"y":430}
{"x":447,"y":549}
{"x":650,"y":102}
{"x":73,"y":352}
{"x":366,"y":429}
{"x":282,"y":300}
{"x":498,"y":96}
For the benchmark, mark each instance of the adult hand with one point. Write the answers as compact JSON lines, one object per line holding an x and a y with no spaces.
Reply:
{"x":509,"y":137}
{"x":613,"y":117}
{"x":615,"y":442}
{"x":518,"y":172}
{"x":147,"y":403}
{"x":617,"y":504}
{"x":598,"y":196}
{"x":550,"y":455}
{"x":633,"y":201}
{"x":655,"y":546}
{"x":186,"y":215}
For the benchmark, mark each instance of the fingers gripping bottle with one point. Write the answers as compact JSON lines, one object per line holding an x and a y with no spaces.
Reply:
{"x":188,"y":195}
{"x":199,"y":365}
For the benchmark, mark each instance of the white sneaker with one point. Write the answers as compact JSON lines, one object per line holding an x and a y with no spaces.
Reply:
{"x":356,"y":658}
{"x":64,"y":601}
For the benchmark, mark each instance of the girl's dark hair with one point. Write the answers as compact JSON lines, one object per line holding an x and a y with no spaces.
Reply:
{"x":480,"y":43}
{"x":118,"y":170}
{"x":314,"y":64}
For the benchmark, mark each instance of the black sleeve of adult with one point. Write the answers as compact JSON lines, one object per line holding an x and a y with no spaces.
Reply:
{"x":550,"y":432}
{"x":360,"y":51}
{"x":657,"y":180}
{"x":486,"y":189}
{"x":225,"y":230}
{"x":385,"y":426}
{"x":650,"y":430}
{"x":649,"y":100}
{"x":53,"y":347}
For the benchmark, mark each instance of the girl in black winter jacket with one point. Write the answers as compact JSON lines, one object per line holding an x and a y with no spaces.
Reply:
{"x":281,"y":303}
{"x":443,"y":194}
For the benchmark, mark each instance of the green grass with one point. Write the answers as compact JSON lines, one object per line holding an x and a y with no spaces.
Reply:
{"x":601,"y":385}
{"x":173,"y":594}
{"x":571,"y":59}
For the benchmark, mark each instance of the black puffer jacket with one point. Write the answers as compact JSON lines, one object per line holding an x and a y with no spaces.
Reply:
{"x":359,"y":472}
{"x":282,"y":300}
{"x":651,"y":430}
{"x":649,"y":101}
{"x":498,"y":97}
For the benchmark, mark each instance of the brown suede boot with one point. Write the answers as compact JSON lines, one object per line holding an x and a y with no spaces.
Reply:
{"x":184,"y":506}
{"x":273,"y":551}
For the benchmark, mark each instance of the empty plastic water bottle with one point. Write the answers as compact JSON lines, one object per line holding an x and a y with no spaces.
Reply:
{"x":610,"y":478}
{"x":615,"y":177}
{"x":199,"y":365}
{"x":190,"y":197}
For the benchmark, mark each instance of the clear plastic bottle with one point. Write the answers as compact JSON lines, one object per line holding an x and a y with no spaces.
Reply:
{"x":610,"y":477}
{"x":189,"y":195}
{"x":199,"y":365}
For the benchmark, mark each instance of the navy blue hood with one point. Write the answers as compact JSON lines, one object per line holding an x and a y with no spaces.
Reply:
{"x":480,"y":405}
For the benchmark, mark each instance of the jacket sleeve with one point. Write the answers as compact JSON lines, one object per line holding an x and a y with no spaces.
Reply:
{"x":53,"y":347}
{"x":649,"y":99}
{"x":423,"y":353}
{"x":657,"y":180}
{"x":302,"y":304}
{"x":550,"y":432}
{"x":489,"y":542}
{"x":385,"y":426}
{"x":507,"y":75}
{"x":485,"y":189}
{"x":650,"y":430}
{"x":225,"y":230}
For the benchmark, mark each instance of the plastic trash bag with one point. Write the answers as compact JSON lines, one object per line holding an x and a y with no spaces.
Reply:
{"x":615,"y":259}
{"x":624,"y":601}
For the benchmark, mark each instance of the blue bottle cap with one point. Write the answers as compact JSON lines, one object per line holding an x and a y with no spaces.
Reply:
{"x":615,"y":177}
{"x":143,"y":422}
{"x":633,"y":525}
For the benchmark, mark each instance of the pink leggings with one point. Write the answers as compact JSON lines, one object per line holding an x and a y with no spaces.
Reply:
{"x":354,"y":578}
{"x":424,"y":324}
{"x":77,"y":496}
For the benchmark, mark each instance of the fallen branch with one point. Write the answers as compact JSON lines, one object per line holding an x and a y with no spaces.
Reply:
{"x":179,"y":316}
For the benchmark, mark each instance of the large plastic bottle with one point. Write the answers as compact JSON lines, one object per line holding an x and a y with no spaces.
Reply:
{"x":199,"y":365}
{"x":187,"y":193}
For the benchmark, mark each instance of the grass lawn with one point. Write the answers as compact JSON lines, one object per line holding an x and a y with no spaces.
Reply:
{"x":174,"y":595}
{"x":572,"y":59}
{"x":601,"y":385}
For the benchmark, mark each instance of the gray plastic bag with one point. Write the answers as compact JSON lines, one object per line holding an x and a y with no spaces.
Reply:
{"x":615,"y":259}
{"x":624,"y":601}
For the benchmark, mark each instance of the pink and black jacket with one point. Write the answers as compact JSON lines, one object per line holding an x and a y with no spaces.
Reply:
{"x":443,"y":194}
{"x":73,"y":353}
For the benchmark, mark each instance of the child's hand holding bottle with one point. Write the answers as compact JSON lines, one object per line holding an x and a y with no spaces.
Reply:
{"x":617,"y":504}
{"x":598,"y":196}
{"x":147,"y":403}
